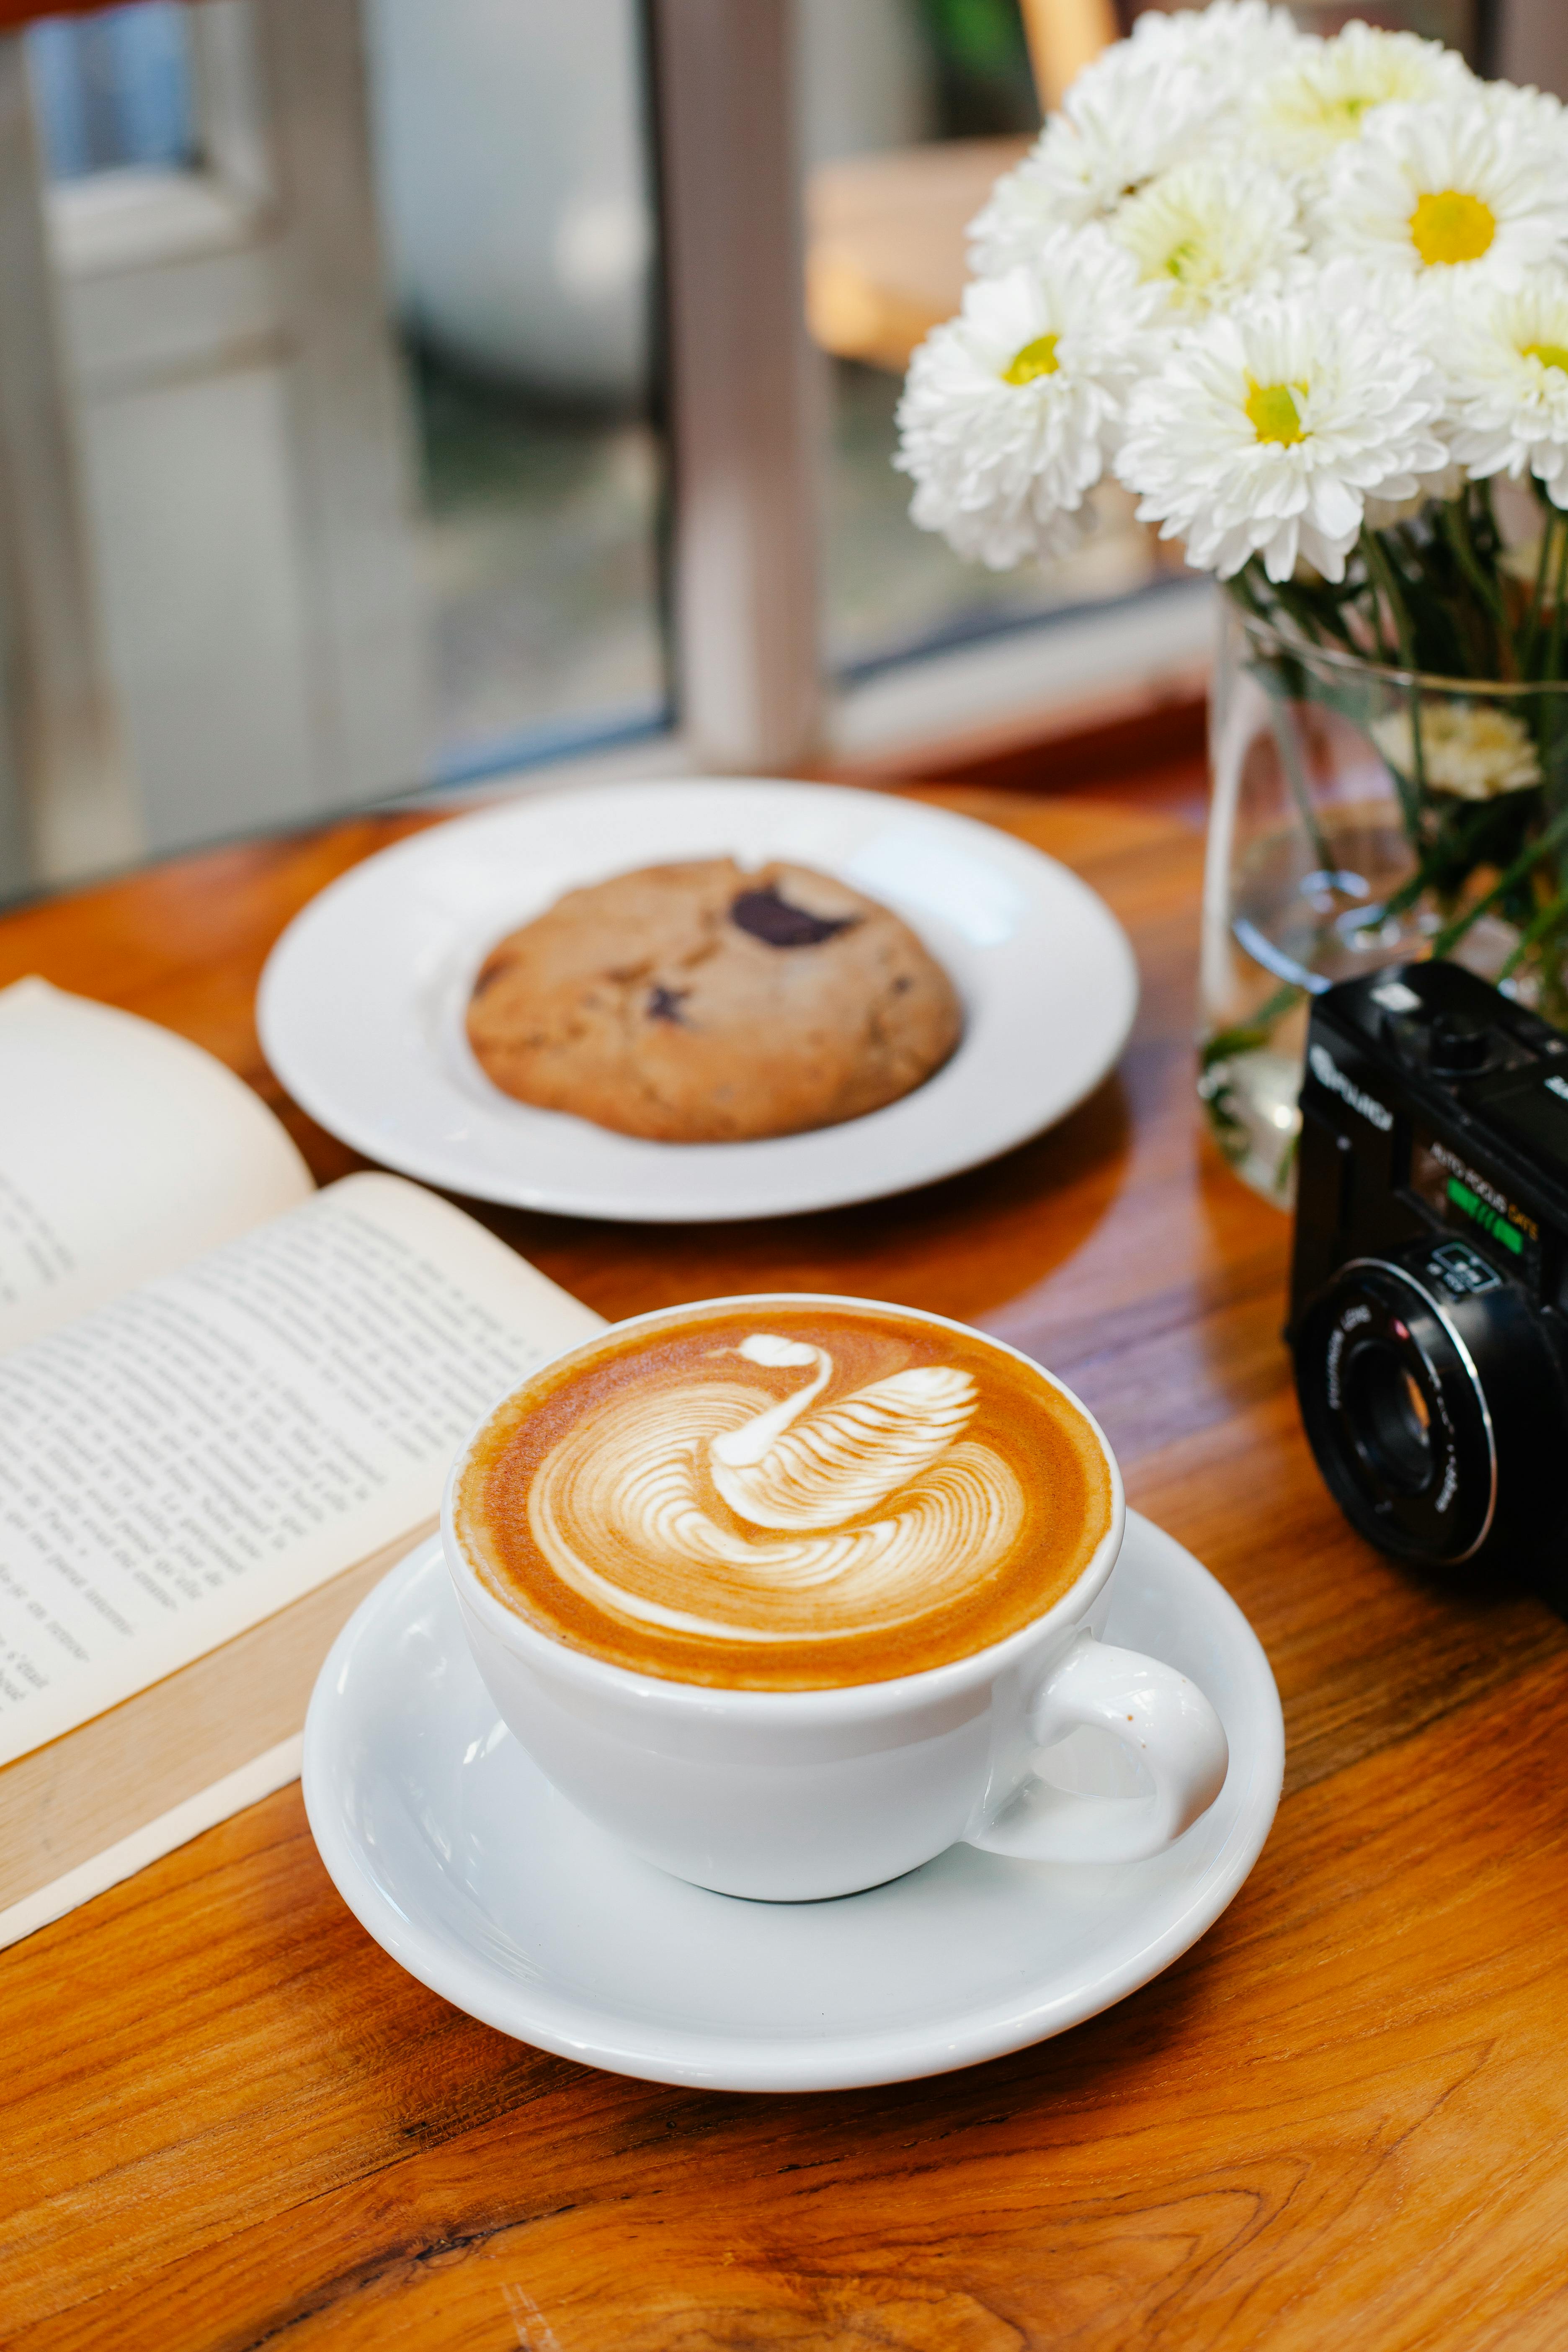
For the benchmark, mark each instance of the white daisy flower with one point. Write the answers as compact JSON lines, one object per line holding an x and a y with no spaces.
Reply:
{"x":1325,"y":94}
{"x":1125,"y":120}
{"x":1420,"y":310}
{"x":1142,"y":105}
{"x":1011,"y":410}
{"x":1471,"y":751}
{"x":1506,"y":360}
{"x":1269,"y":427}
{"x":1446,"y":483}
{"x":1239,"y":39}
{"x":1209,"y":229}
{"x":1527,"y":108}
{"x":1448,"y":189}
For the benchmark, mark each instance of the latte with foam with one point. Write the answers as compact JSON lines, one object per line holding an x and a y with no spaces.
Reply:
{"x":783,"y":1495}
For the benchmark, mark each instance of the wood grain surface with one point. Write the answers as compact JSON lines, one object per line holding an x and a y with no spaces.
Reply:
{"x":231,"y":2121}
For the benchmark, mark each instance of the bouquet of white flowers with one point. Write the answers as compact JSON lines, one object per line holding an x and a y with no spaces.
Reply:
{"x":1294,"y":292}
{"x":1308,"y":300}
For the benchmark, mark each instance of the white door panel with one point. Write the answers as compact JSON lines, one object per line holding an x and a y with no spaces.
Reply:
{"x":203,"y":581}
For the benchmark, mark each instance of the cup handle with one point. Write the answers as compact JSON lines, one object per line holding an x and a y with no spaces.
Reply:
{"x":1161,"y":1718}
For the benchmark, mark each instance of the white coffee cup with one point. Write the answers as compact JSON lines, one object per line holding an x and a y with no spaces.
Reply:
{"x":796,"y":1795}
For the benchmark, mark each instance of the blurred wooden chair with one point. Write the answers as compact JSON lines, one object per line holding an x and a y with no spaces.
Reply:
{"x":885,"y":234}
{"x":1063,"y":35}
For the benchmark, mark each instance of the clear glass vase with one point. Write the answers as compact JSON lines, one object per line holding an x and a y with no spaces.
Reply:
{"x":1363,"y":815}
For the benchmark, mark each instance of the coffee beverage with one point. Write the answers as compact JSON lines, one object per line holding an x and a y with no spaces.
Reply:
{"x":785,"y":1593}
{"x":774,"y":1496}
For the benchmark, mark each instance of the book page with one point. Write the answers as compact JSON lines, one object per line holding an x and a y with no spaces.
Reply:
{"x":125,"y":1150}
{"x":205,"y":1449}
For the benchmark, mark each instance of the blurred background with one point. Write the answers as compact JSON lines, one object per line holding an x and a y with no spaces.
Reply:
{"x":367,"y":421}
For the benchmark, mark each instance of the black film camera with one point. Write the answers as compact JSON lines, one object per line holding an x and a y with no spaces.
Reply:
{"x":1429,"y":1287}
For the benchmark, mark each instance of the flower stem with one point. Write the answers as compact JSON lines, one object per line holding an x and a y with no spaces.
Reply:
{"x":1550,"y":918}
{"x":1454,"y":843}
{"x":1382,"y":571}
{"x":1288,"y":748}
{"x":1554,"y":668}
{"x":1300,"y":791}
{"x":1546,"y":841}
{"x":1456,"y":529}
{"x":1249,"y":1035}
{"x":1537,"y":601}
{"x":1317,"y":624}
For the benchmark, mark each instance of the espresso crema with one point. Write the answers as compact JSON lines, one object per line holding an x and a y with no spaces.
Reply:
{"x":783,"y":1497}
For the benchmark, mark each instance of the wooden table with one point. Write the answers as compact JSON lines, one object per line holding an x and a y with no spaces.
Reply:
{"x":1340,"y":2120}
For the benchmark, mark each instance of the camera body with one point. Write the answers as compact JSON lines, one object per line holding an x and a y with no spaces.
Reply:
{"x":1429,"y":1285}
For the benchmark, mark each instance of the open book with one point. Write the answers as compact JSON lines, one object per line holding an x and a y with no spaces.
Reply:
{"x":227,"y":1404}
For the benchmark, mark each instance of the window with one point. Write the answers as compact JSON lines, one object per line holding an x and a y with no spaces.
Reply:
{"x":912,"y":108}
{"x":114,"y":90}
{"x":511,"y":152}
{"x":346,"y":451}
{"x":407,"y":391}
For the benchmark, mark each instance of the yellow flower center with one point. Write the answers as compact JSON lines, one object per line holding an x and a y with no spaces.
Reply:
{"x":1451,"y":227}
{"x":1036,"y":359}
{"x":1274,"y":411}
{"x":1549,"y":354}
{"x":1181,"y":261}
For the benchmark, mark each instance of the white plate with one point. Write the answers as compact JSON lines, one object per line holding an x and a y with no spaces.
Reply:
{"x":461,"y":1859}
{"x":360,"y":1006}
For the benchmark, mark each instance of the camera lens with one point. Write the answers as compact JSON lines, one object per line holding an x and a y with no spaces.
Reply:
{"x":1438,"y":1415}
{"x":1390,"y":1418}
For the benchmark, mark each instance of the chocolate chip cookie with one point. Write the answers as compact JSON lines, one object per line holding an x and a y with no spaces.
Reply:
{"x":700,"y":1004}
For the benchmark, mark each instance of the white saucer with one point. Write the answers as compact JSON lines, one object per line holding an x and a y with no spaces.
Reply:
{"x":360,"y":1006}
{"x":463,"y":1861}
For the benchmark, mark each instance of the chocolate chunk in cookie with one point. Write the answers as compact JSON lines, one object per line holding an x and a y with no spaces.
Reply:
{"x":768,"y":918}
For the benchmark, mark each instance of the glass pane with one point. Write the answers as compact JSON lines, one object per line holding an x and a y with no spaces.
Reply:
{"x":114,"y":90}
{"x":512,"y":158}
{"x":912,"y":108}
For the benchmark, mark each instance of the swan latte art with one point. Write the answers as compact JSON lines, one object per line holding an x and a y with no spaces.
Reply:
{"x":783,"y":1495}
